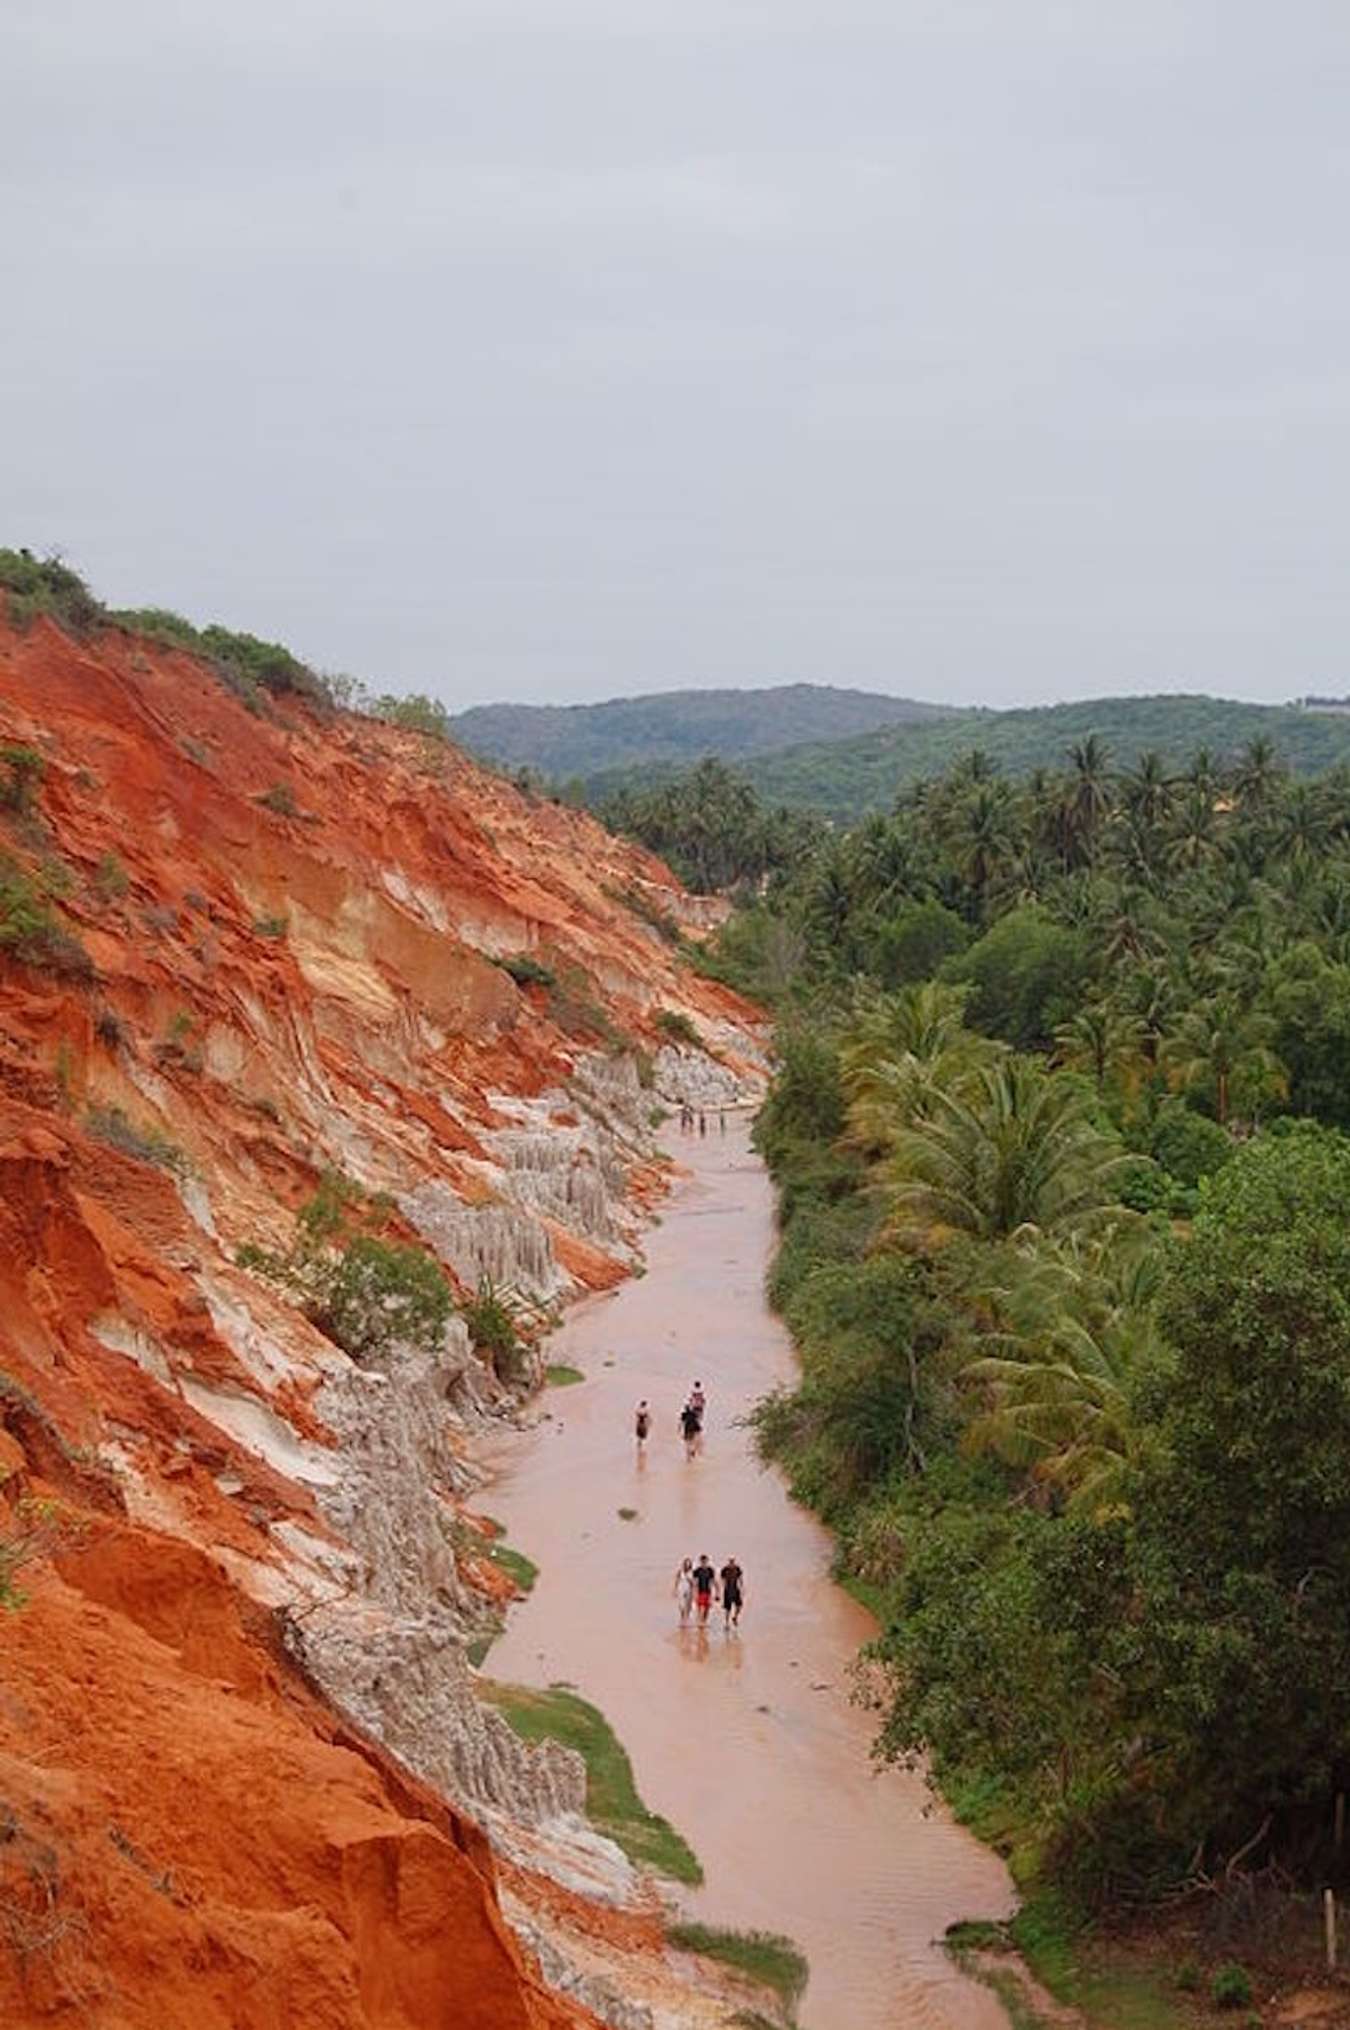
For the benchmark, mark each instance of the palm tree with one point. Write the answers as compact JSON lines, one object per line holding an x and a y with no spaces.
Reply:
{"x":1303,"y":826}
{"x":1196,"y":838}
{"x":1072,"y":1324}
{"x":1016,"y":1150}
{"x":1147,"y":788}
{"x":1101,"y":1041}
{"x":1220,"y":1044}
{"x":1258,"y":771}
{"x":1090,"y":793}
{"x":899,"y":1047}
{"x":983,"y":840}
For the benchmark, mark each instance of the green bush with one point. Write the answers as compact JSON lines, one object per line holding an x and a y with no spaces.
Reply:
{"x":912,"y":945}
{"x":30,"y":929}
{"x":24,"y":768}
{"x":270,"y":926}
{"x":147,"y":1145}
{"x":492,"y":1318}
{"x":280,"y":799}
{"x":527,"y":971}
{"x":1029,"y":974}
{"x":416,"y":714}
{"x":111,"y":880}
{"x":376,"y":1294}
{"x":676,"y":1025}
{"x":1230,"y":1987}
{"x":44,"y":585}
{"x":1189,"y":1146}
{"x":366,"y":1294}
{"x":246,"y":665}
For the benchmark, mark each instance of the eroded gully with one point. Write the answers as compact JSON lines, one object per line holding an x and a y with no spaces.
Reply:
{"x":749,"y":1744}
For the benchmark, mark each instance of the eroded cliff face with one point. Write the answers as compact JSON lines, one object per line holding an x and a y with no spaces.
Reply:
{"x":242,"y":1771}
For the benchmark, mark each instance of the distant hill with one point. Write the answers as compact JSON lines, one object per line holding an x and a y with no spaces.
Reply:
{"x":846,"y":778}
{"x":676,"y":727}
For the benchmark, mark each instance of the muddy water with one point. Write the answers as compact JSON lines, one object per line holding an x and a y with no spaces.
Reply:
{"x":748,"y":1743}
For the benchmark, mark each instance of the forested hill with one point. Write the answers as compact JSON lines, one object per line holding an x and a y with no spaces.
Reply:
{"x":677,"y":727}
{"x":846,"y":778}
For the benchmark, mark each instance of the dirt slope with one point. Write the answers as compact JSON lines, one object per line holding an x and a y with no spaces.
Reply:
{"x":263,"y":949}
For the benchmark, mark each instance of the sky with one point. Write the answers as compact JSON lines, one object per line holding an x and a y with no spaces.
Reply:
{"x":988,"y":351}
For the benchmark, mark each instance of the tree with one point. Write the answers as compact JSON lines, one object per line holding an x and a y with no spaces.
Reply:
{"x":1101,"y":1041}
{"x":1028,"y":973}
{"x":1018,"y":1152}
{"x":898,"y":1048}
{"x":1220,"y":1049}
{"x":1244,"y":1513}
{"x":1073,"y":1325}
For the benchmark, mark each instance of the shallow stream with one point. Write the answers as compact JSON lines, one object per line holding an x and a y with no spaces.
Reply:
{"x":749,"y":1743}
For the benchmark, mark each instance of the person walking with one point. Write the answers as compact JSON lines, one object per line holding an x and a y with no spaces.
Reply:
{"x":702,"y":1122}
{"x":692,"y":1426}
{"x":698,"y":1403}
{"x":683,"y":1589}
{"x":642,"y":1423}
{"x":733,"y":1593}
{"x":704,"y":1578}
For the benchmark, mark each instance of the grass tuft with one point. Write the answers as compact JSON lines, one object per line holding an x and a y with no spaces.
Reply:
{"x":612,"y":1802}
{"x":765,"y":1957}
{"x":560,"y":1376}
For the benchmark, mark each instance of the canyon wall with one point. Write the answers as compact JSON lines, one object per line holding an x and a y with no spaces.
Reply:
{"x":247,"y":946}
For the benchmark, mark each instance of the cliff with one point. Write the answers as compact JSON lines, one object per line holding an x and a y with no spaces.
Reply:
{"x":259,"y":956}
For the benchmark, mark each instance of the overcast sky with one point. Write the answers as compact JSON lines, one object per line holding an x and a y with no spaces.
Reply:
{"x":984,"y":350}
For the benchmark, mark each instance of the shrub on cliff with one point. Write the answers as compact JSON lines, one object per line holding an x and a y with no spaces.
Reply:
{"x":245,"y":664}
{"x":30,"y":929}
{"x":494,"y":1329}
{"x":24,"y":769}
{"x":363,"y":1292}
{"x":44,"y":585}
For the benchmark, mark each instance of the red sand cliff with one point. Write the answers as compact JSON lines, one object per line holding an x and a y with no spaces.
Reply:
{"x":188,"y":1833}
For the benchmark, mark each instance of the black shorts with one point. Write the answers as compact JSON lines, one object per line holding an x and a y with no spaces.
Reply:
{"x":732,"y":1597}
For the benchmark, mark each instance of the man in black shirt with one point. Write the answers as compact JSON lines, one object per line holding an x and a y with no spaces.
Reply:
{"x":733,"y":1593}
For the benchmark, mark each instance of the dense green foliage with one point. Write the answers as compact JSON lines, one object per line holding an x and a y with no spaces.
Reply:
{"x":712,"y":829}
{"x":364,"y":1292}
{"x":674,"y":727}
{"x":846,"y":778}
{"x":1065,"y":1251}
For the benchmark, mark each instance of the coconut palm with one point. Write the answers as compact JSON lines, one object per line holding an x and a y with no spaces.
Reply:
{"x":1195,"y":840}
{"x":1089,"y":794}
{"x":1220,"y":1045}
{"x":1100,"y":1040}
{"x":1071,"y":1324}
{"x":899,"y":1047}
{"x":1147,"y":789}
{"x":982,"y":839}
{"x":1014,"y":1150}
{"x":1258,"y":771}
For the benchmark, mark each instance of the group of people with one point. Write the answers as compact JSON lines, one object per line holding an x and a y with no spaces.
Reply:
{"x":691,"y":1422}
{"x":695,"y":1585}
{"x":689,"y":1120}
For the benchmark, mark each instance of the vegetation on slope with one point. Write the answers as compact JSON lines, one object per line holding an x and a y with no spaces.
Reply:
{"x":612,"y":1801}
{"x":1057,"y":1134}
{"x":847,"y":778}
{"x":674,"y":727}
